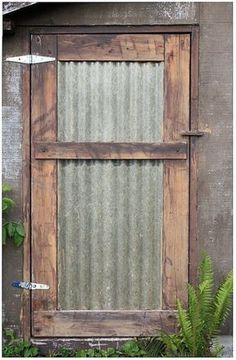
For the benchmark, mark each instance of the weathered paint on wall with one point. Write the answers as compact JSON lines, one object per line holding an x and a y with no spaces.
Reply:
{"x":215,"y":149}
{"x":112,"y":13}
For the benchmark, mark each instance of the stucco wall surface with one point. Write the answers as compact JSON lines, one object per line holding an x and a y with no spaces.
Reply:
{"x":215,"y":174}
{"x":215,"y":105}
{"x":11,"y":173}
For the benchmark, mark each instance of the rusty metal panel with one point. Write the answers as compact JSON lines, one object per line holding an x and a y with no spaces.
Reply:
{"x":106,"y":101}
{"x":110,"y":231}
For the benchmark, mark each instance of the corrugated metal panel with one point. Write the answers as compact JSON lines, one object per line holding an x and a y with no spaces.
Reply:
{"x":110,"y":212}
{"x":106,"y":101}
{"x":110,"y":230}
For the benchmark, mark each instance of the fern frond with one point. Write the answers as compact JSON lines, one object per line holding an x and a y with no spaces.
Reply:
{"x":205,"y":290}
{"x":185,"y":326}
{"x":216,"y":349}
{"x":201,"y":322}
{"x":195,"y":319}
{"x":205,"y":299}
{"x":154,"y":346}
{"x":222,"y":303}
{"x":206,"y":270}
{"x":172,"y":344}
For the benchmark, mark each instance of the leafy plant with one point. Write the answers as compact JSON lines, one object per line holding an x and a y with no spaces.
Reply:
{"x":132,"y":349}
{"x":153,"y":346}
{"x":199,"y":325}
{"x":10,"y":229}
{"x":62,"y":352}
{"x":16,"y":347}
{"x":129,"y":349}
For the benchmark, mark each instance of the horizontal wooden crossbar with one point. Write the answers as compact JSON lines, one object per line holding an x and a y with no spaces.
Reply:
{"x":82,"y":323}
{"x":110,"y":151}
{"x":111,"y":47}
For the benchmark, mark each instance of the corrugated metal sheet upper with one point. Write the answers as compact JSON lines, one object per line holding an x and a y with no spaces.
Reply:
{"x":110,"y":101}
{"x":110,"y":212}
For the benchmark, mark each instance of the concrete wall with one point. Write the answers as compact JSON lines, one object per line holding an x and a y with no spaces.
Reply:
{"x":11,"y":168}
{"x":215,"y":176}
{"x":215,"y":149}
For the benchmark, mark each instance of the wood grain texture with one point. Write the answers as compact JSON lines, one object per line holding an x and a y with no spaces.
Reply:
{"x":113,"y":29}
{"x":105,"y":323}
{"x":25,"y":310}
{"x":176,"y":174}
{"x":193,"y":243}
{"x":111,"y":47}
{"x":93,"y":150}
{"x":44,"y":179}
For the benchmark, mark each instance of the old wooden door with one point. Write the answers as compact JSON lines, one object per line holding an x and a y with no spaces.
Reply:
{"x":110,"y":183}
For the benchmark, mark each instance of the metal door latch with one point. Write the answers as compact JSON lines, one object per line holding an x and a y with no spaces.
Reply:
{"x":29,"y":285}
{"x":192,"y":133}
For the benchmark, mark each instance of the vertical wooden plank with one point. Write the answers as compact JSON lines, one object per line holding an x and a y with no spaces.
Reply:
{"x":176,"y":173}
{"x":25,"y":309}
{"x":44,"y":175}
{"x":193,"y":244}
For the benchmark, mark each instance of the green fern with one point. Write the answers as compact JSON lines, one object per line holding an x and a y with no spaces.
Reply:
{"x":195,"y":319}
{"x":185,"y":326}
{"x":154,"y":346}
{"x":201,"y":322}
{"x":205,"y":290}
{"x":222,"y":304}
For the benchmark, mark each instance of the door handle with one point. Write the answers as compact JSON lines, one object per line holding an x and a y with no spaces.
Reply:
{"x":197,"y":133}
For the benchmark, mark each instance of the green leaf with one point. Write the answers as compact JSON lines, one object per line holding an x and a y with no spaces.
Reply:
{"x":7,"y":204}
{"x":20,"y":229}
{"x":31,"y":351}
{"x":18,"y":239}
{"x":130,"y":348}
{"x":4,"y":235}
{"x":109,"y":352}
{"x":81,"y":353}
{"x":10,"y":334}
{"x":10,"y":229}
{"x":6,"y":188}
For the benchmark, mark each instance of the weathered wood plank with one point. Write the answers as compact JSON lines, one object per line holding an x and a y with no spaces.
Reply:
{"x":111,"y":47}
{"x":113,"y":29}
{"x":44,"y":183}
{"x":176,"y":174}
{"x":25,"y":310}
{"x":106,"y":323}
{"x":93,"y":150}
{"x":193,"y":243}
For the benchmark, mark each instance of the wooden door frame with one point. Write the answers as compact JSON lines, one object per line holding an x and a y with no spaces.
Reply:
{"x":193,"y":31}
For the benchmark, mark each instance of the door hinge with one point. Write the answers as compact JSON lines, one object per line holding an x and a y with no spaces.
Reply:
{"x":30,"y":59}
{"x":29,"y":285}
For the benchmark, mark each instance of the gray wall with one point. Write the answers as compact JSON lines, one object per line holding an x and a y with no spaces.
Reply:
{"x":215,"y":176}
{"x":215,"y":149}
{"x":11,"y":168}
